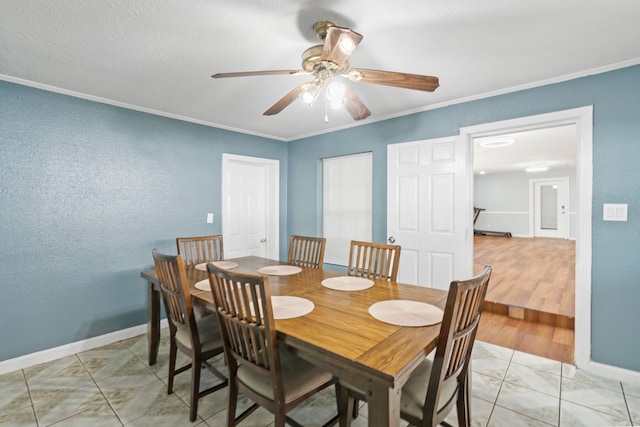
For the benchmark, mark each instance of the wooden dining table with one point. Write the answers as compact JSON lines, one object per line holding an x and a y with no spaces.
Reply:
{"x":339,"y":334}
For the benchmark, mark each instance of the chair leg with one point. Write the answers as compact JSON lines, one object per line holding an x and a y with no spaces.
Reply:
{"x":356,"y":409}
{"x":280,"y":422}
{"x":232,"y":402}
{"x":173,"y":350}
{"x":196,"y":369}
{"x":463,"y":405}
{"x":345,"y":405}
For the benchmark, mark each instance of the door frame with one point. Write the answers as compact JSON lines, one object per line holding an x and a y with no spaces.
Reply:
{"x":534,"y":206}
{"x":272,"y":199}
{"x":582,"y":118}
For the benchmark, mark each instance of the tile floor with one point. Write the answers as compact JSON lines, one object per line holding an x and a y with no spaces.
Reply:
{"x":114,"y":386}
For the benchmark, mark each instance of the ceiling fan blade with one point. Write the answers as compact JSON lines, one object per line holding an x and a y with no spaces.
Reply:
{"x":286,"y":100}
{"x":339,"y":44}
{"x":391,"y":78}
{"x":258,"y":73}
{"x":354,"y":105}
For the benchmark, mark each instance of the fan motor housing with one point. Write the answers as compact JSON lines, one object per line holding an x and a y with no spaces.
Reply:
{"x":312,"y":61}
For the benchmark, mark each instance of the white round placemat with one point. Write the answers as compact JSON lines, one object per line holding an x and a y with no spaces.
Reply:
{"x":288,"y":307}
{"x":227,"y":265}
{"x":406,"y":313}
{"x":347,"y":283}
{"x":203,"y":285}
{"x":280,"y":270}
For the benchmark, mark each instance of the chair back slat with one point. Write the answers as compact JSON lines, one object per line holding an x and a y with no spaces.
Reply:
{"x":373,"y":260}
{"x":196,"y":250}
{"x":306,"y":252}
{"x":243,"y":307}
{"x":173,"y":287}
{"x":455,"y":343}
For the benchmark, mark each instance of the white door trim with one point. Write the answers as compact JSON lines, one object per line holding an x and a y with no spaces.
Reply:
{"x":272,"y":200}
{"x":583,"y":119}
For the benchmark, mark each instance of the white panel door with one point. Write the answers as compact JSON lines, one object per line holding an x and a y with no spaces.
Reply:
{"x":428,"y":210}
{"x":247,"y":202}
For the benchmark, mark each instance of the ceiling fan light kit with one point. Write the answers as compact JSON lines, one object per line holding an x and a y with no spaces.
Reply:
{"x":328,"y":61}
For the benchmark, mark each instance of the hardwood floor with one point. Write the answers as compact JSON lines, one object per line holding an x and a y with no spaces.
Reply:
{"x":552,"y":342}
{"x":530,"y":303}
{"x":534,"y":273}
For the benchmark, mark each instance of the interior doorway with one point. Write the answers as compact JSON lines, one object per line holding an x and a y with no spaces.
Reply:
{"x":250,"y":206}
{"x":582,"y":119}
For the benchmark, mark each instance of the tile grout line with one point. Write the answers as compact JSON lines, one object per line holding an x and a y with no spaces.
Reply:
{"x":33,"y":408}
{"x":626,"y":403}
{"x":100,"y":390}
{"x":495,"y":403}
{"x":560,"y":393}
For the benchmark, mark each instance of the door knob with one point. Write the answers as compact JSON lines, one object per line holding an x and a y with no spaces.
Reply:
{"x":263,"y":240}
{"x":392,"y":240}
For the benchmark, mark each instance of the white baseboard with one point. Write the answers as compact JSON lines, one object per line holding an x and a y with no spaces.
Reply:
{"x":619,"y":374}
{"x":50,"y":354}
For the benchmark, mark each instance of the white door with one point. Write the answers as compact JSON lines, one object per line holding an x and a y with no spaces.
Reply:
{"x":550,"y":207}
{"x":429,"y":211}
{"x":249,"y":206}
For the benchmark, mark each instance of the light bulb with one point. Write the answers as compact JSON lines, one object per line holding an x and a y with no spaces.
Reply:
{"x":335,"y":90}
{"x":335,"y":95}
{"x":310,"y":93}
{"x":347,"y":44}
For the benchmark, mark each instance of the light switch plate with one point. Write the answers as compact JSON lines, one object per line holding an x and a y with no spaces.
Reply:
{"x":209,"y":218}
{"x":614,"y":212}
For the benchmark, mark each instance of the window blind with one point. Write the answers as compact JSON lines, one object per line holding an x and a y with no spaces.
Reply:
{"x":347,"y":204}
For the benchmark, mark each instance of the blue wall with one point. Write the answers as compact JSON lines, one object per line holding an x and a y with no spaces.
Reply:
{"x":616,"y":173}
{"x":82,"y":203}
{"x":87,"y":190}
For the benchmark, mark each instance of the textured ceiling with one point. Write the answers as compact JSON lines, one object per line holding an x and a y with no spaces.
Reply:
{"x":553,"y":148}
{"x":159,"y":56}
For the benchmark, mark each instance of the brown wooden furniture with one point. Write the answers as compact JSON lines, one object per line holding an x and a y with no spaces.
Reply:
{"x":446,"y":379}
{"x":306,"y":251}
{"x":196,"y":250}
{"x":373,"y":260}
{"x":441,"y":383}
{"x":200,"y":340}
{"x":339,"y":335}
{"x":272,"y":377}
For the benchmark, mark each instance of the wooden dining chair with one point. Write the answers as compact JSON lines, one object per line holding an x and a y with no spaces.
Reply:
{"x":199,"y":339}
{"x":306,"y":252}
{"x":373,"y":260}
{"x":196,"y":250}
{"x":268,"y":374}
{"x":442,"y":382}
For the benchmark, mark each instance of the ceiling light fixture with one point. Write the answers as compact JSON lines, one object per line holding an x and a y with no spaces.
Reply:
{"x":495,"y":142}
{"x":335,"y":95}
{"x":311,"y":92}
{"x":537,"y":169}
{"x":347,"y":44}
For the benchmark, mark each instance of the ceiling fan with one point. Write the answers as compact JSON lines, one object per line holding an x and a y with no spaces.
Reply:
{"x":330,"y":59}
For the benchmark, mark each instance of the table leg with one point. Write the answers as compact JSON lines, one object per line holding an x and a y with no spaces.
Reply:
{"x":153,"y":324}
{"x":384,"y":406}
